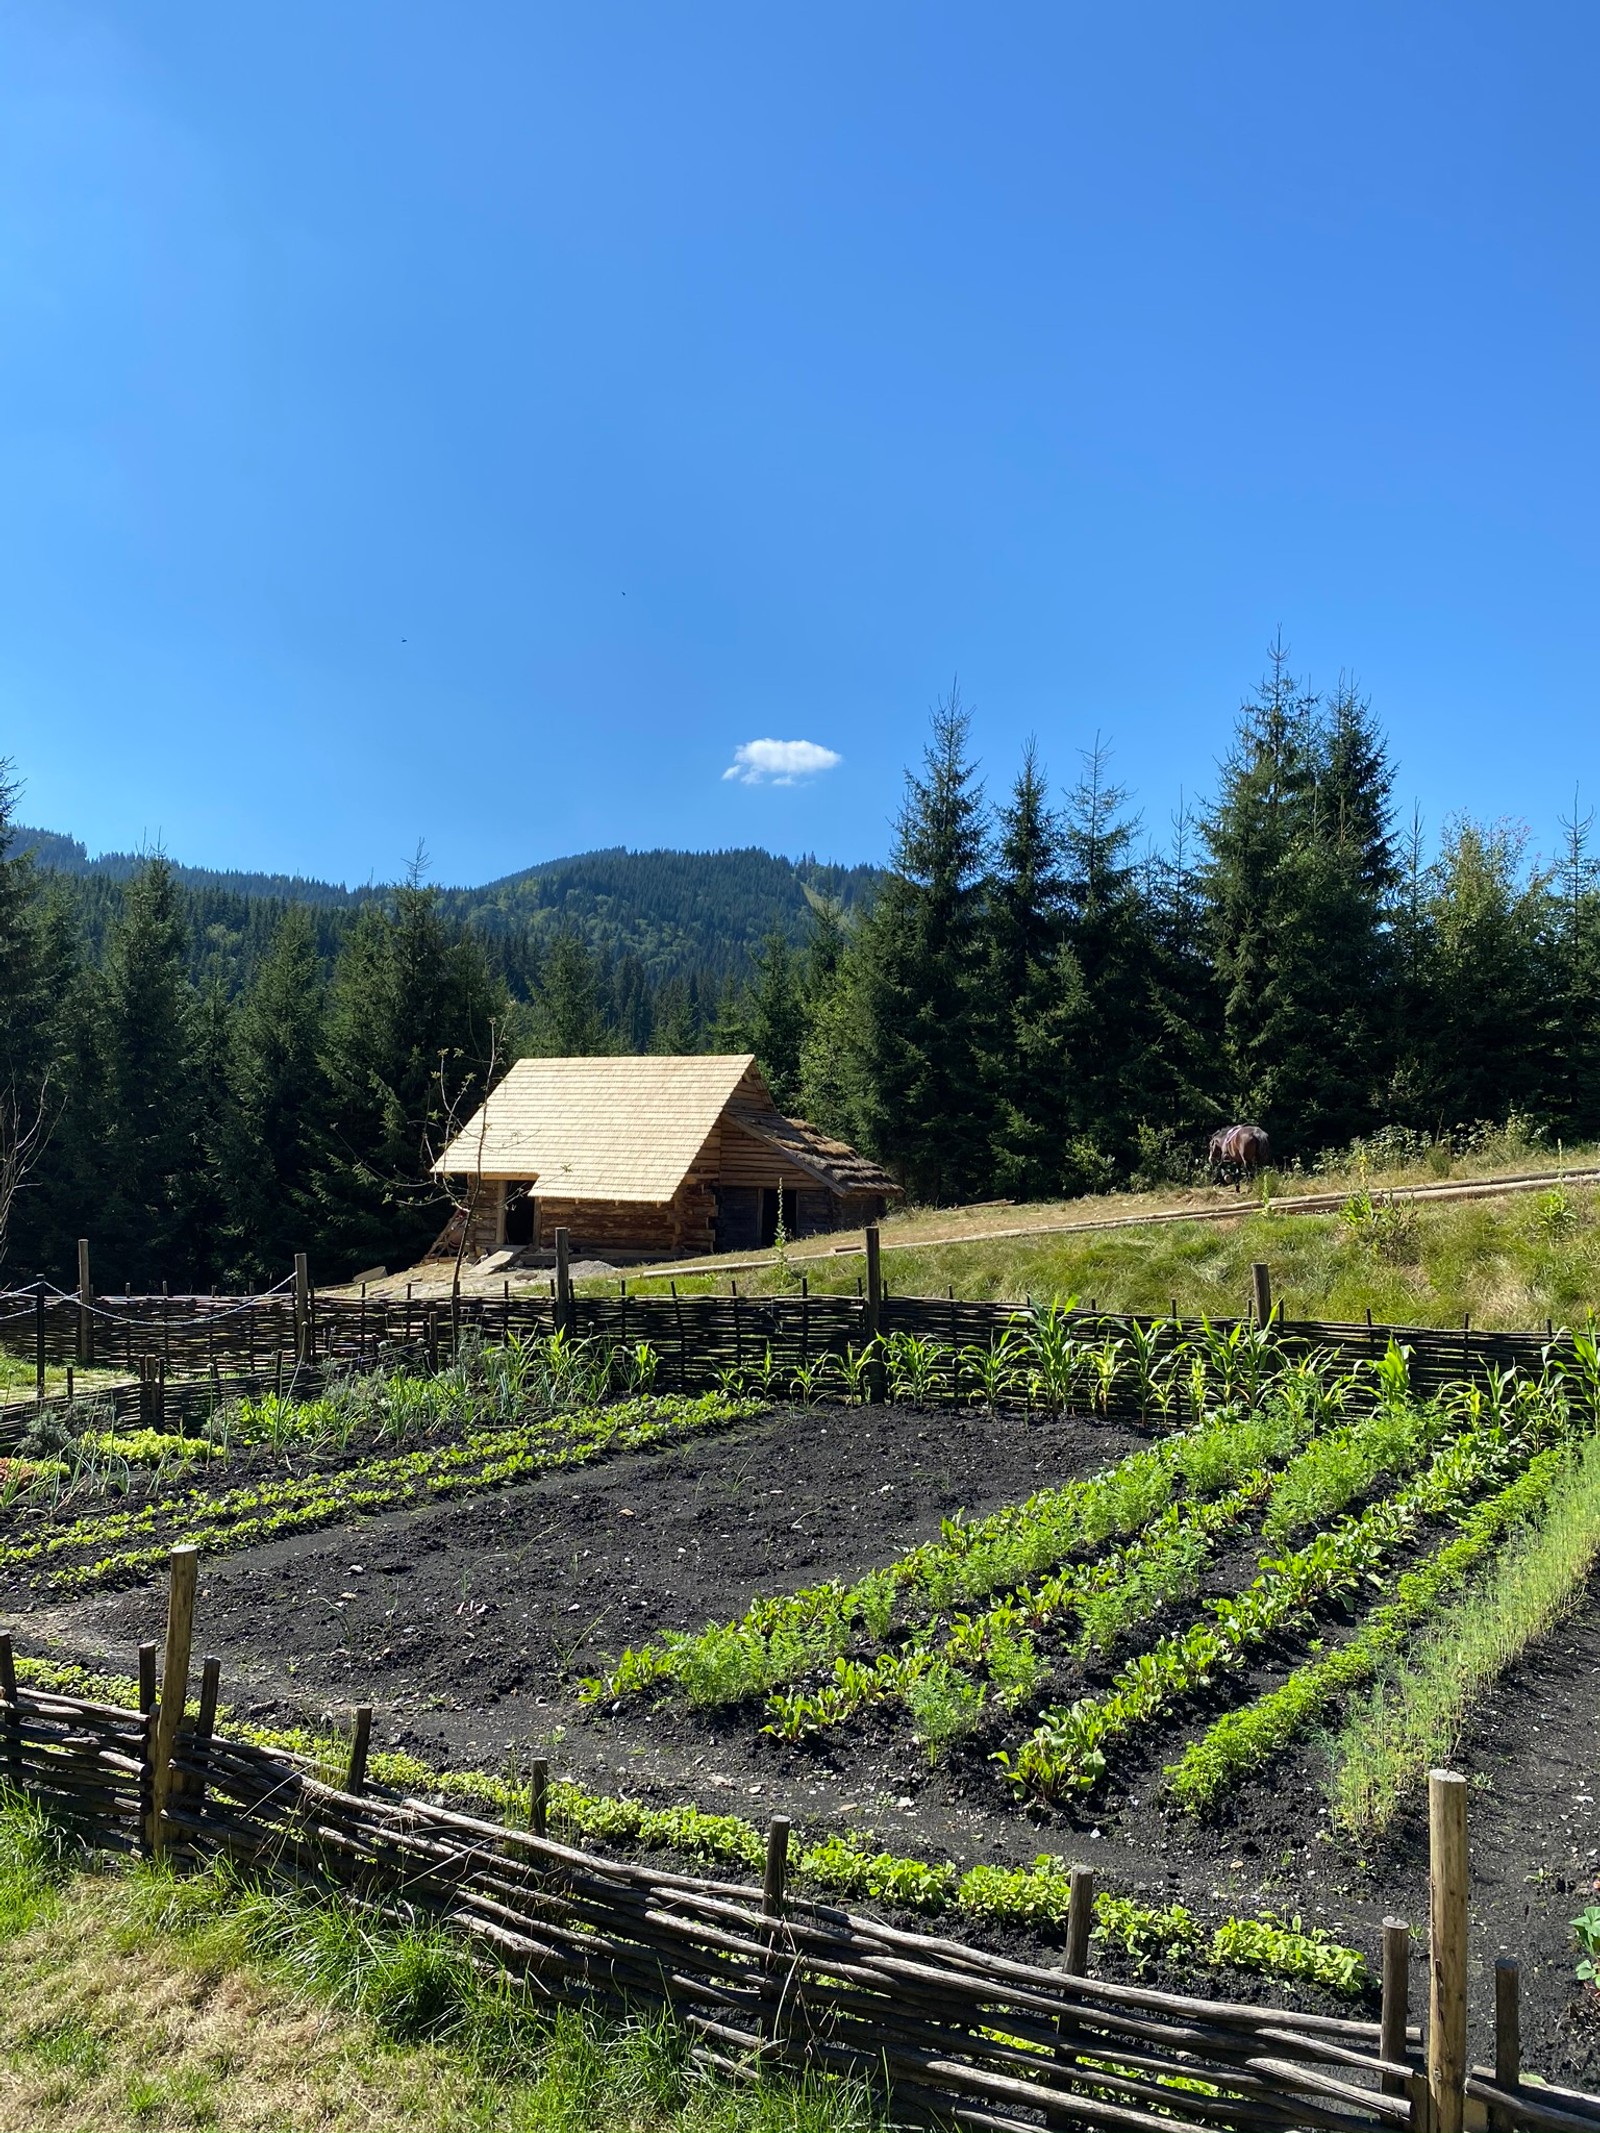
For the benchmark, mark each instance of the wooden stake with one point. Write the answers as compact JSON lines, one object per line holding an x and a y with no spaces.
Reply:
{"x":1396,"y":1999}
{"x":8,"y":1693}
{"x":1261,"y":1292}
{"x":302,"y":1308}
{"x":563,"y":1280}
{"x":539,"y":1796}
{"x":85,"y":1306}
{"x":355,"y":1776}
{"x":1080,"y":1918}
{"x":1507,"y":2037}
{"x":39,"y":1307}
{"x":777,"y":1868}
{"x":206,"y":1723}
{"x":183,"y":1564}
{"x":874,"y":1280}
{"x":1447,"y":1950}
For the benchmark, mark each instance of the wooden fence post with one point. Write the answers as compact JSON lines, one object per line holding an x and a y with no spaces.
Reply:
{"x":8,"y":1693}
{"x":206,"y":1722}
{"x":1447,"y":1950}
{"x":355,"y":1776}
{"x":302,"y":1308}
{"x":1261,"y":1292}
{"x":563,"y":1280}
{"x":773,"y":1883}
{"x":1507,"y":2037}
{"x":182,"y":1566}
{"x":147,"y":1712}
{"x":38,"y":1341}
{"x":874,"y":1384}
{"x":85,"y":1307}
{"x":539,"y":1796}
{"x":1396,"y":1999}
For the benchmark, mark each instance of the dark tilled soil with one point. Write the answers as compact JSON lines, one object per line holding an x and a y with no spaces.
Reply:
{"x":469,"y":1624}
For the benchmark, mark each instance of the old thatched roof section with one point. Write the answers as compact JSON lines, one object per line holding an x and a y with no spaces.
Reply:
{"x":602,"y":1129}
{"x":832,"y":1163}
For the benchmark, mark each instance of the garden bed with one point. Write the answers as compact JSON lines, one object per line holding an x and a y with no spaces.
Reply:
{"x":943,"y":1698}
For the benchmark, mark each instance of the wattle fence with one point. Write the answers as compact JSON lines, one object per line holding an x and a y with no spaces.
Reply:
{"x":942,"y":2031}
{"x":172,"y":1356}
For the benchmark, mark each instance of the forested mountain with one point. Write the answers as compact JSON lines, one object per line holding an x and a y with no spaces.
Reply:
{"x":1031,"y":999}
{"x":680,"y":915}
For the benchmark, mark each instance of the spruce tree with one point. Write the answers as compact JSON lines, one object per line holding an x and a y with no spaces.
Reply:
{"x":775,"y":1015}
{"x":1299,"y":866}
{"x":281,"y":1094}
{"x":152,"y":1120}
{"x":1109,"y":1030}
{"x":413,"y":1023}
{"x":925,"y":1107}
{"x":569,"y":1021}
{"x":1025,"y":1063}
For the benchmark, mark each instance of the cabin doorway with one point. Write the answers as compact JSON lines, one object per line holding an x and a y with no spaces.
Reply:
{"x":522,"y":1217}
{"x":771,"y":1203}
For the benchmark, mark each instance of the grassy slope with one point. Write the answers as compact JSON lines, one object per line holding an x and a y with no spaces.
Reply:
{"x":129,"y":1999}
{"x":1489,"y":1258}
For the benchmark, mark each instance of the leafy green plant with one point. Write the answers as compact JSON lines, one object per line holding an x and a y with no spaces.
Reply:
{"x":1586,"y":1931}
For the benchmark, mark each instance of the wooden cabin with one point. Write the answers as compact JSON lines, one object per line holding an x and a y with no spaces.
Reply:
{"x":652,"y":1158}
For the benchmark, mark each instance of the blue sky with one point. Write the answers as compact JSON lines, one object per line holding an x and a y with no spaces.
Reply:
{"x":478,"y":424}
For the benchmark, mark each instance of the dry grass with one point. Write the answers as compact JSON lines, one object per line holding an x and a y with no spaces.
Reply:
{"x":136,"y":1999}
{"x":106,"y":2025}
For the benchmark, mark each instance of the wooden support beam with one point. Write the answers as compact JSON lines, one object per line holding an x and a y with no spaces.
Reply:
{"x":183,"y":1565}
{"x":1447,"y":1950}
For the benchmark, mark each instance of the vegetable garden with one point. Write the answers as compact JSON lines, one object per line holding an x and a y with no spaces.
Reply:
{"x":1200,"y":1604}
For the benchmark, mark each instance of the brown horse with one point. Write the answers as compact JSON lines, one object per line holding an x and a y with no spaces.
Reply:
{"x":1239,"y":1150}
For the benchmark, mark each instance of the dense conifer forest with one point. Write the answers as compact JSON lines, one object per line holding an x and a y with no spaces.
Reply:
{"x":1035,"y":998}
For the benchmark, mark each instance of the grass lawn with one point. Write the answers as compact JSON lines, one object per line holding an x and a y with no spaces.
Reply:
{"x":1510,"y":1262}
{"x":132,"y":1999}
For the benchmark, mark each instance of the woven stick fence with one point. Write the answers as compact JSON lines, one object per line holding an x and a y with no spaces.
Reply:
{"x":946,"y":2032}
{"x":219,"y":1345}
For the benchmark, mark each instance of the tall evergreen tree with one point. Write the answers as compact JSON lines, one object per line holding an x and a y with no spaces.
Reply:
{"x":775,"y":1015}
{"x":1570,"y":1082}
{"x":275,"y":1149}
{"x":414,"y":1016}
{"x":569,"y":1021}
{"x":1488,"y":982}
{"x":1299,"y":863}
{"x":148,"y":1026}
{"x":921,"y":950}
{"x":1024,"y":1036}
{"x":1111,"y":1036}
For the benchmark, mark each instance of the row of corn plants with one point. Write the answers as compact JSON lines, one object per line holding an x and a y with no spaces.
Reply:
{"x":1043,"y":1360}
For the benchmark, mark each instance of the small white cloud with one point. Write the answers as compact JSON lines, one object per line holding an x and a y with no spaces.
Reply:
{"x":779,"y":762}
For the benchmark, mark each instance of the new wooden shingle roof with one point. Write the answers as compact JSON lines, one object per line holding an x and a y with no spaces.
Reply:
{"x":630,"y":1128}
{"x":603,"y":1129}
